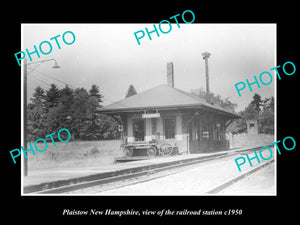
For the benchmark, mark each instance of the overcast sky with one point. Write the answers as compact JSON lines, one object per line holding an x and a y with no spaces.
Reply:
{"x":108,"y":55}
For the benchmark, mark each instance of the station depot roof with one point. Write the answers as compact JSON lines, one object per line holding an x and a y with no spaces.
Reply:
{"x":162,"y":97}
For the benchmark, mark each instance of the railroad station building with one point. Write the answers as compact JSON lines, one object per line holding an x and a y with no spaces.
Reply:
{"x":174,"y":116}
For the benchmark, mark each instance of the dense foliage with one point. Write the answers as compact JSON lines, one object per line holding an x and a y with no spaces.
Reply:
{"x":215,"y":99}
{"x":258,"y":109}
{"x":131,"y":91}
{"x":75,"y":110}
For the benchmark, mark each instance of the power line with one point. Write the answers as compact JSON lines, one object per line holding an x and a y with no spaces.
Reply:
{"x":32,"y":76}
{"x":47,"y":75}
{"x":105,"y":98}
{"x":40,"y":84}
{"x":32,"y":68}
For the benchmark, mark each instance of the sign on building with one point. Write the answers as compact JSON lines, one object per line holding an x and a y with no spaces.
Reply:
{"x":151,"y":115}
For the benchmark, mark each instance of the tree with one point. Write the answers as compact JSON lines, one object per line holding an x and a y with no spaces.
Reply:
{"x":36,"y":114}
{"x":66,"y":97}
{"x":256,"y":102}
{"x":131,"y":91}
{"x":268,"y":104}
{"x":37,"y":108}
{"x":34,"y":122}
{"x":215,"y":99}
{"x":94,"y":92}
{"x":101,"y":126}
{"x":38,"y":96}
{"x":79,"y":111}
{"x":63,"y":109}
{"x":58,"y":108}
{"x":52,"y":122}
{"x":52,"y":96}
{"x":75,"y":110}
{"x":94,"y":130}
{"x":266,"y":120}
{"x":258,"y":109}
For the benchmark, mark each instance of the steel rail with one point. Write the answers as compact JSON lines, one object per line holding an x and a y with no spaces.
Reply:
{"x":232,"y":181}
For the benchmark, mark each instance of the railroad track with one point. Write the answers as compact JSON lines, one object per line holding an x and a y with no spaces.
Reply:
{"x":232,"y":181}
{"x":129,"y":174}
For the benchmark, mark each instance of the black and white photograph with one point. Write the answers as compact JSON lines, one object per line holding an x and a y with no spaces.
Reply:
{"x":149,"y":113}
{"x":109,"y":111}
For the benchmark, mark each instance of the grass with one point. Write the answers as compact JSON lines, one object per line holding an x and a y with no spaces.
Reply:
{"x":75,"y":154}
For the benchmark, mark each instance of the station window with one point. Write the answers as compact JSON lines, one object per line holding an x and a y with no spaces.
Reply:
{"x":169,"y":127}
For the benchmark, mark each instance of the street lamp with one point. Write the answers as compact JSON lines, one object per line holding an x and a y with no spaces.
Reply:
{"x":25,"y":105}
{"x":56,"y":66}
{"x":42,"y":61}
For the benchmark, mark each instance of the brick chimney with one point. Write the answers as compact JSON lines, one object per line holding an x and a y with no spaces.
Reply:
{"x":170,"y":74}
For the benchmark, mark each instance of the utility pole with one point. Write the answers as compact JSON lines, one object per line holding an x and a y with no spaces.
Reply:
{"x":25,"y":106}
{"x":25,"y":115}
{"x":205,"y":56}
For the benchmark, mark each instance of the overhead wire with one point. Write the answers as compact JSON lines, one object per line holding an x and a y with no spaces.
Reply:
{"x":33,"y":76}
{"x":32,"y":68}
{"x":47,"y":75}
{"x":63,"y":82}
{"x":38,"y":83}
